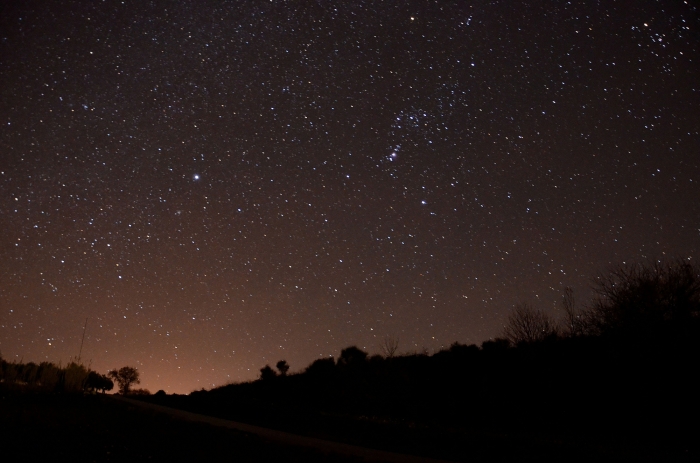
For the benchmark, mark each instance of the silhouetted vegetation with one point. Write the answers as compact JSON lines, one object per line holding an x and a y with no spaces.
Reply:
{"x":283,"y":367}
{"x":49,"y":377}
{"x":98,"y":382}
{"x":125,"y":378}
{"x":614,"y":378}
{"x":389,"y":346}
{"x":73,"y":378}
{"x":267,"y":373}
{"x":640,"y":300}
{"x":527,"y":325}
{"x":352,"y":357}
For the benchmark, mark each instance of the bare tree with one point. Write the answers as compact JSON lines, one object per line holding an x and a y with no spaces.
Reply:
{"x":526,"y":324}
{"x":574,"y":323}
{"x":389,"y":346}
{"x":641,"y":297}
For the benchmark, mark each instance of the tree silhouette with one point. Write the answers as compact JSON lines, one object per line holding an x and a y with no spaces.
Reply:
{"x":283,"y":367}
{"x":125,"y":377}
{"x":526,"y":325}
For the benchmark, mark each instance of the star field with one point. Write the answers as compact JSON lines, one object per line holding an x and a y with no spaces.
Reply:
{"x":220,"y":185}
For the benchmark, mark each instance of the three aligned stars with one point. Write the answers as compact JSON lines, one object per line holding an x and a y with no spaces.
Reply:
{"x":276,"y":181}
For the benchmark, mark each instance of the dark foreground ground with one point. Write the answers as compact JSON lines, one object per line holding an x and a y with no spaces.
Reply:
{"x":448,"y":442}
{"x":51,"y":427}
{"x":54,"y":427}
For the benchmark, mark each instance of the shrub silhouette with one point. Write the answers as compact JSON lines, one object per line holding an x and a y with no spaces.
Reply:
{"x":98,"y":382}
{"x":267,"y":373}
{"x":352,"y":356}
{"x":321,"y":367}
{"x":75,"y":377}
{"x":30,"y":372}
{"x":48,"y":376}
{"x":495,"y":345}
{"x":464,"y":350}
{"x":283,"y":367}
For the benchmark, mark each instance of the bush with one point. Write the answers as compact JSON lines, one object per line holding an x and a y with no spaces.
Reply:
{"x":321,"y":367}
{"x":75,"y":377}
{"x":267,"y":373}
{"x":351,"y":356}
{"x":96,"y":381}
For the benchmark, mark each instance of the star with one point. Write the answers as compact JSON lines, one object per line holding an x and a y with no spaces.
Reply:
{"x":207,"y":152}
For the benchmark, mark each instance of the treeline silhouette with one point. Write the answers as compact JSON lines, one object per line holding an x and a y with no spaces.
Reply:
{"x":49,"y":377}
{"x":73,"y":378}
{"x":622,"y":367}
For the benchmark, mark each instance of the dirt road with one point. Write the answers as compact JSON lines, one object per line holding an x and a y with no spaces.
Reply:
{"x":287,"y":438}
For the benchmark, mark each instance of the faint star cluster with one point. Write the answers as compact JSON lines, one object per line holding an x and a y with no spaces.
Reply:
{"x":216,"y":187}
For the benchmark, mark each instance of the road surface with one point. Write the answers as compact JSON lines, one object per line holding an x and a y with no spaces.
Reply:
{"x":286,"y":438}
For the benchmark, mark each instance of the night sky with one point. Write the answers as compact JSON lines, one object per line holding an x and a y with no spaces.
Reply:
{"x":217,"y":185}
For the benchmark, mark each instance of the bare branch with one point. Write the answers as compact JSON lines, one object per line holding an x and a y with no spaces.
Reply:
{"x":526,"y":324}
{"x":389,"y":346}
